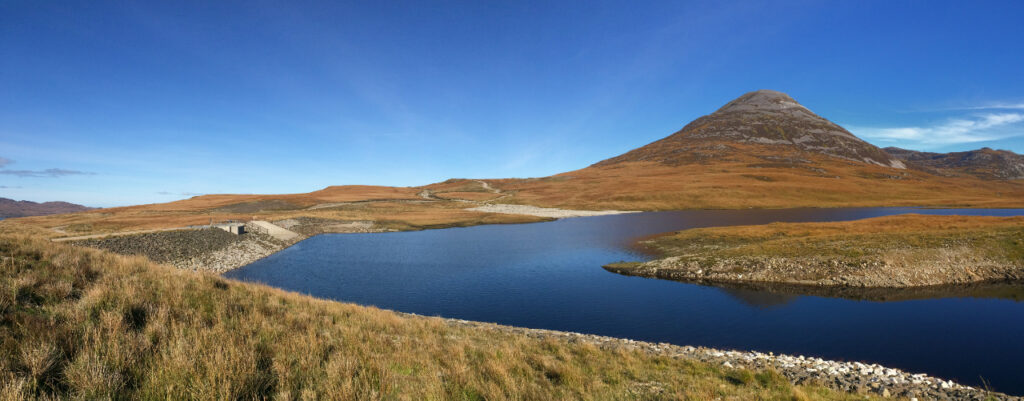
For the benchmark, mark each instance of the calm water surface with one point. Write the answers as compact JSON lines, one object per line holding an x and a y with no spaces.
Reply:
{"x":549,"y":275}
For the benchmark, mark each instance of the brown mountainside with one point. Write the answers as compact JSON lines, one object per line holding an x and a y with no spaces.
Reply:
{"x":771,"y":121}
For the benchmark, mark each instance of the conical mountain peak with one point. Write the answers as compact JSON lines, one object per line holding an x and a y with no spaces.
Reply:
{"x":763,"y":123}
{"x":764,"y":100}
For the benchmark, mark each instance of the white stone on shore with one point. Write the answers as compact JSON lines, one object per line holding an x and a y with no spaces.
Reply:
{"x":543,"y":211}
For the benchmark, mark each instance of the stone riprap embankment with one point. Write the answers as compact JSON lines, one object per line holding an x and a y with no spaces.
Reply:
{"x":215,"y":250}
{"x":853,"y":377}
{"x":211,"y":249}
{"x":165,"y":246}
{"x":250,"y":248}
{"x":548,"y":212}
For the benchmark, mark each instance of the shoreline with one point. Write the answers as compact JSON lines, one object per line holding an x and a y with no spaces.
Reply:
{"x":547,"y":212}
{"x":669,"y":269}
{"x":851,"y":377}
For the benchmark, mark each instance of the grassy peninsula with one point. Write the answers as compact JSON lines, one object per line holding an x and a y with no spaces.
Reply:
{"x":895,"y":251}
{"x":85,"y":323}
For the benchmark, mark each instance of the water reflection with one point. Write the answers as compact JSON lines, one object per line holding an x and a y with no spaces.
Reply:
{"x":758,"y":298}
{"x":773,"y":295}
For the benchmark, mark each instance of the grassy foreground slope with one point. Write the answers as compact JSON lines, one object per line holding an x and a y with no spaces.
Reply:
{"x":82,"y":323}
{"x":893,"y":251}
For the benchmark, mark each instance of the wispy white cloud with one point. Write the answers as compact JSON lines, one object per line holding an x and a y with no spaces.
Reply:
{"x":979,"y":128}
{"x":976,"y":107}
{"x":997,"y":106}
{"x":50,"y":172}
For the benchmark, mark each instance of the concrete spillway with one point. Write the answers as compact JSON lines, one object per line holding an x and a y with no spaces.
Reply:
{"x":273,"y":230}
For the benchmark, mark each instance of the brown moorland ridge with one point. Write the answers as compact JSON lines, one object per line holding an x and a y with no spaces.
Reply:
{"x":395,"y":208}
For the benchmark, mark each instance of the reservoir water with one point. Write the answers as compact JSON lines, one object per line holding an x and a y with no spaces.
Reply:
{"x":549,"y":275}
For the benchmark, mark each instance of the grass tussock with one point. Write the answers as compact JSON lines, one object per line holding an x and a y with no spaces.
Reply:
{"x":83,"y":323}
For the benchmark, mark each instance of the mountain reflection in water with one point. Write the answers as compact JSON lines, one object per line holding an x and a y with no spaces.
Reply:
{"x":771,"y":295}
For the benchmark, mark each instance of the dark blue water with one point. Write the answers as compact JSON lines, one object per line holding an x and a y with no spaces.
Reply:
{"x":549,"y":275}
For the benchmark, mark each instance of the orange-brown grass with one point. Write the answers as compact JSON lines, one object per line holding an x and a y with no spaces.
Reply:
{"x":400,"y":213}
{"x":890,"y":252}
{"x":919,"y":242}
{"x":345,"y":193}
{"x":82,"y":323}
{"x":900,"y":224}
{"x":411,"y":216}
{"x":734,"y":183}
{"x":457,"y":185}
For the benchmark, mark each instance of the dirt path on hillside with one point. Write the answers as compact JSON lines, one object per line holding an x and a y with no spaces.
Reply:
{"x":488,"y":187}
{"x":492,"y":190}
{"x":428,"y":195}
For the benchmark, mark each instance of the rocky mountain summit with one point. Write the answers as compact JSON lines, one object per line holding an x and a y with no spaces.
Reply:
{"x":763,"y":123}
{"x":10,"y":208}
{"x":983,"y":163}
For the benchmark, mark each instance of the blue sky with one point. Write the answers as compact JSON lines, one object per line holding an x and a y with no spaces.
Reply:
{"x":116,"y":103}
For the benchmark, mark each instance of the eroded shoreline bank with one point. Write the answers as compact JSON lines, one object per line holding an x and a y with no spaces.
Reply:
{"x":903,"y":251}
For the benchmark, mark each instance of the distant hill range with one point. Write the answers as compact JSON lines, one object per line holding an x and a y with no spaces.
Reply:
{"x":982,"y":163}
{"x":10,"y":208}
